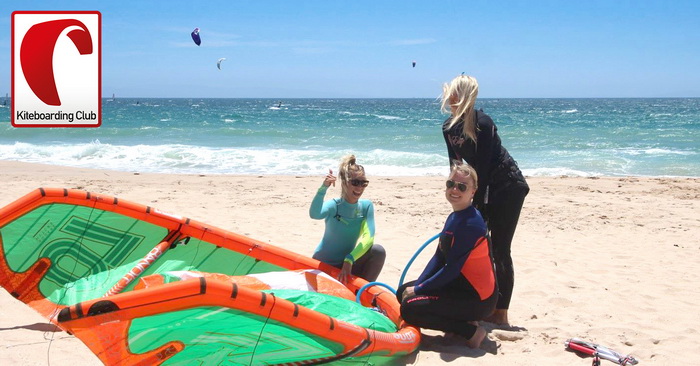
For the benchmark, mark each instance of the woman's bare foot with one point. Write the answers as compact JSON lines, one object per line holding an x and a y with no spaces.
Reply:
{"x":458,"y":337}
{"x":499,"y":316}
{"x":477,"y":338}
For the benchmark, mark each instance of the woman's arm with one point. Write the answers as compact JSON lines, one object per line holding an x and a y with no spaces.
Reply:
{"x":433,"y":266}
{"x":318,"y":210}
{"x":463,"y":243}
{"x":366,"y":239}
{"x":485,"y":133}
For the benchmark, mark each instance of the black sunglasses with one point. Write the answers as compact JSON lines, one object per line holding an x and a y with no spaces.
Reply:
{"x":359,"y":182}
{"x":461,"y":186}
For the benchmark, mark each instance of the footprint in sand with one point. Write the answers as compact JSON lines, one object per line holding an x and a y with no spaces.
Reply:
{"x":508,"y":336}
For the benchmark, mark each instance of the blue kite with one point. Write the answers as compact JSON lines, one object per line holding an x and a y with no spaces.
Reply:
{"x":195,"y":37}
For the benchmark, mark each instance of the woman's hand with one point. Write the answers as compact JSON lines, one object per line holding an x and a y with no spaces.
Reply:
{"x":408,"y":291}
{"x":330,"y":179}
{"x":345,"y":272}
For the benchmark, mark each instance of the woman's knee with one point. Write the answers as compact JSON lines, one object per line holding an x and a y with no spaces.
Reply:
{"x":378,"y":252}
{"x":410,"y":314}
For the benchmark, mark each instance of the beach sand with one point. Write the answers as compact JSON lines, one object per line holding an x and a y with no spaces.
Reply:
{"x":615,"y":261}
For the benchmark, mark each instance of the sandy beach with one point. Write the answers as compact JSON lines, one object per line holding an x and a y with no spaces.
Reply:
{"x":612,"y":260}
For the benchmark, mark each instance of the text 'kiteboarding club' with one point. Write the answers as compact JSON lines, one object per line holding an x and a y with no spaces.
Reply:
{"x":56,"y":69}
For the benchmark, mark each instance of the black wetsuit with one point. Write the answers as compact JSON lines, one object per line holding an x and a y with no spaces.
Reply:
{"x":501,"y":193}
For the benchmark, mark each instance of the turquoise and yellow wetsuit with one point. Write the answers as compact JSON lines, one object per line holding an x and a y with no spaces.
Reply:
{"x":349,"y":230}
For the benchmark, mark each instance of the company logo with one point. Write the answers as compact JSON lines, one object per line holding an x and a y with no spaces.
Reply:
{"x":56,"y":69}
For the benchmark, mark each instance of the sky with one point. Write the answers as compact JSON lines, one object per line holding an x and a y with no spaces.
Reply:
{"x":364,"y":49}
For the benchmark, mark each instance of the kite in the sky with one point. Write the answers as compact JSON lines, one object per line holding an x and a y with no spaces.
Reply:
{"x":195,"y":36}
{"x":414,"y":64}
{"x":218,"y":63}
{"x":140,"y":286}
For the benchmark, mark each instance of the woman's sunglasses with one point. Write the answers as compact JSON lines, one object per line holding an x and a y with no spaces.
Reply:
{"x":461,"y":186}
{"x":359,"y":182}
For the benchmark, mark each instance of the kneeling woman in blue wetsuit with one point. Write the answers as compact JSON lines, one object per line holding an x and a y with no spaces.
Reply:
{"x":348,"y":241}
{"x":458,"y":286}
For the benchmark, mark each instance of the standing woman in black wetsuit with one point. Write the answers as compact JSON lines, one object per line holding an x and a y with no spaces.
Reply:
{"x":472,"y":136}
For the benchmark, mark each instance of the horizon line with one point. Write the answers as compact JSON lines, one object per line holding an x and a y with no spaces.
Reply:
{"x":282,"y":98}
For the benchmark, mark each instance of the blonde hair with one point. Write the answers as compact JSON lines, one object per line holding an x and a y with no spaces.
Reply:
{"x":348,"y":165}
{"x":465,"y":89}
{"x":467,"y":170}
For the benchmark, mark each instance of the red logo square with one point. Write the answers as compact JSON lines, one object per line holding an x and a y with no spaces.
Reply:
{"x":56,"y":69}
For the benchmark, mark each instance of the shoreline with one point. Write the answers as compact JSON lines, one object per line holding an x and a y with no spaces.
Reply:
{"x":611,"y":260}
{"x":135,"y":172}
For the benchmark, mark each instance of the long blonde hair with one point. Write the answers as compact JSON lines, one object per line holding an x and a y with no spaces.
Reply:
{"x":465,"y":89}
{"x":348,"y":165}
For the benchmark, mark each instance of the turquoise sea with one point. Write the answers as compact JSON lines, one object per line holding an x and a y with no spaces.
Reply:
{"x":390,"y":137}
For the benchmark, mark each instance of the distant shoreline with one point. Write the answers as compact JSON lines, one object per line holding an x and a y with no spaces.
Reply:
{"x":134,"y":172}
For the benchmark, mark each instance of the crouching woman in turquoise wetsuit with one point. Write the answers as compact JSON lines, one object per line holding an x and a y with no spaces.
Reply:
{"x":458,"y":286}
{"x":348,"y":241}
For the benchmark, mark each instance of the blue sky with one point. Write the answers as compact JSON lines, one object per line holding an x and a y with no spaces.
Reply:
{"x":356,"y":49}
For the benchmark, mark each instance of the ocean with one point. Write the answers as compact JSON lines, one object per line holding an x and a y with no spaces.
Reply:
{"x":390,"y":137}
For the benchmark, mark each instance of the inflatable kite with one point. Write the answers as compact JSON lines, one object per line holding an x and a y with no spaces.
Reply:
{"x":195,"y":37}
{"x":141,"y":286}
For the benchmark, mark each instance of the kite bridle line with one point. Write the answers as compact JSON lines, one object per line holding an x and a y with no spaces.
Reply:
{"x":353,"y":351}
{"x":248,"y":254}
{"x":72,"y":272}
{"x":250,"y":250}
{"x":374,"y":344}
{"x":174,"y":236}
{"x":262,"y":329}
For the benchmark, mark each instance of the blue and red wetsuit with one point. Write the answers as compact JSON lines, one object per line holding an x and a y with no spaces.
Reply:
{"x":458,"y":286}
